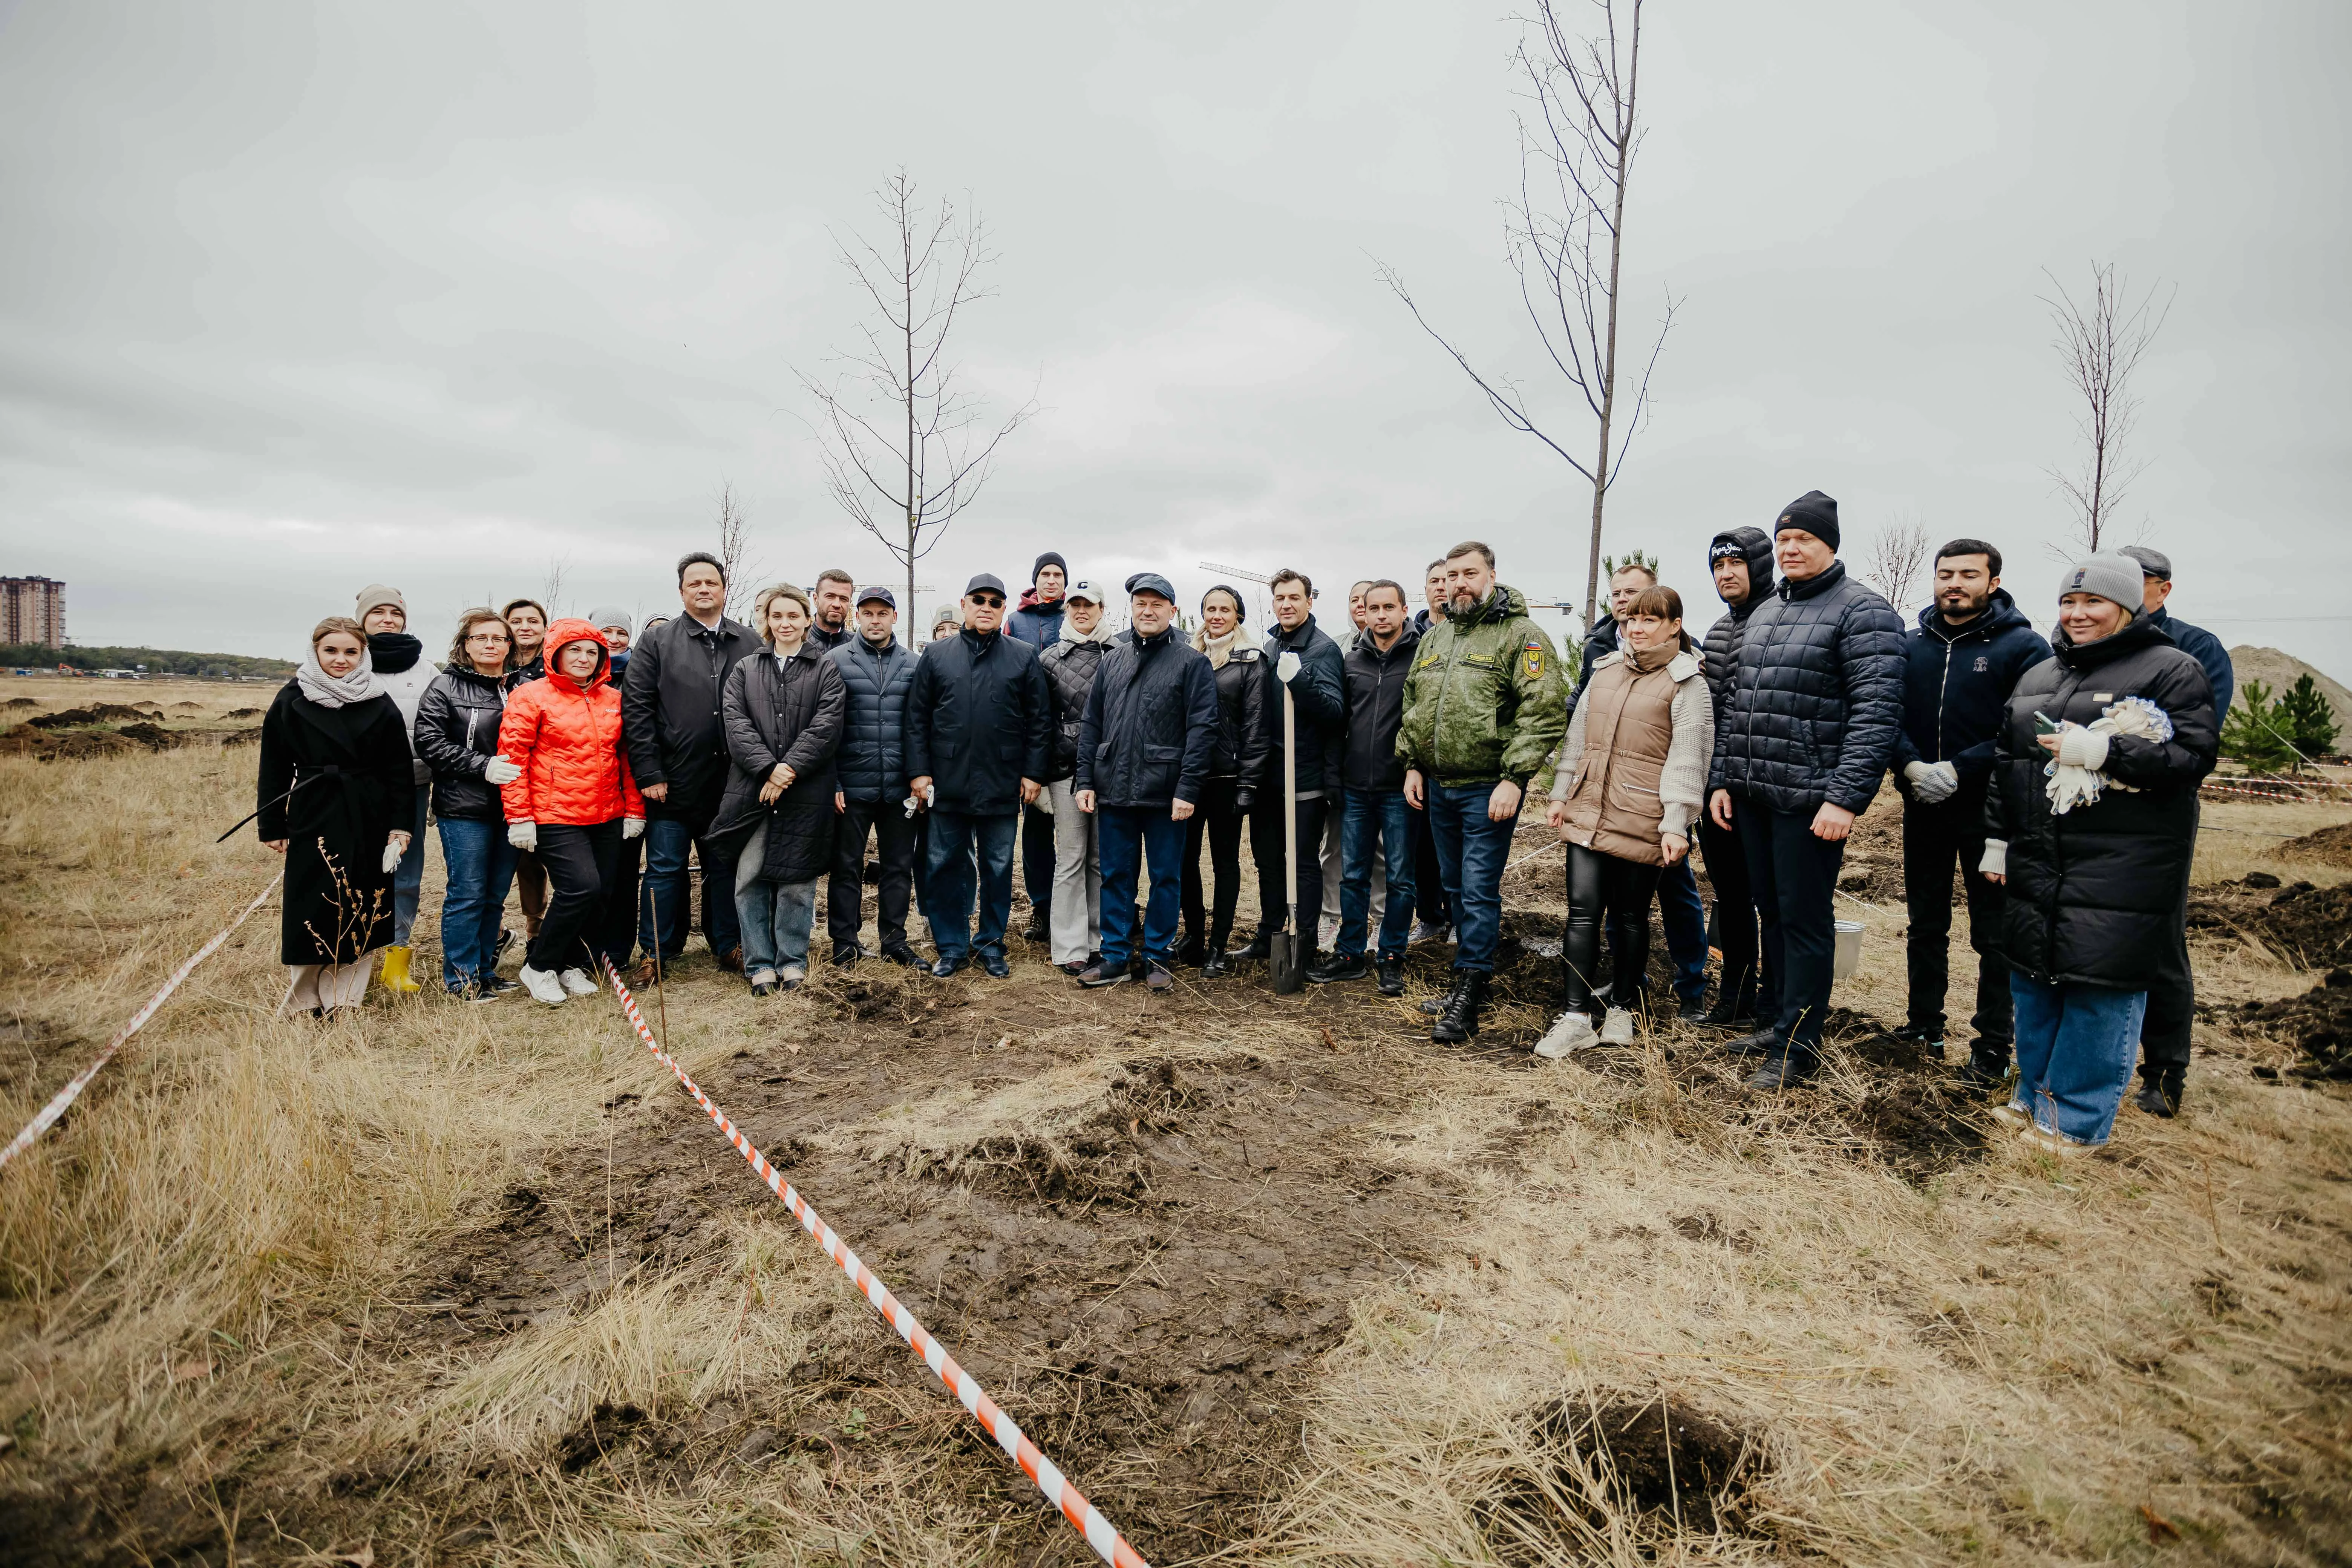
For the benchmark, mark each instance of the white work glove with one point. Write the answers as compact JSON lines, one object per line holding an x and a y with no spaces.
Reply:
{"x":1933,"y":782}
{"x":631,"y":827}
{"x":498,"y":770}
{"x":523,"y":836}
{"x":1044,"y":800}
{"x":1996,"y":859}
{"x":393,"y":848}
{"x":2081,"y":748}
{"x":1285,"y":668}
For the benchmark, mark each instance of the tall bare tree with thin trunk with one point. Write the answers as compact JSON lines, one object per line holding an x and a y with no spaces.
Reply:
{"x":1565,"y":238}
{"x":905,"y":447}
{"x":1898,"y":554}
{"x":2100,"y":341}
{"x":734,"y":550}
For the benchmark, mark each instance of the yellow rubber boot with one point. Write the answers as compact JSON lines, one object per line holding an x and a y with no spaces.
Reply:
{"x":395,"y":973}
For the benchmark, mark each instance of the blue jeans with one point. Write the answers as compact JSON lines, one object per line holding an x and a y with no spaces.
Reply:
{"x":666,"y":894}
{"x":478,"y":865}
{"x":970,"y":855}
{"x":1124,"y":836}
{"x":1376,"y":820}
{"x":408,"y":876}
{"x":2076,"y":1047}
{"x":1471,"y":854}
{"x":774,"y":919}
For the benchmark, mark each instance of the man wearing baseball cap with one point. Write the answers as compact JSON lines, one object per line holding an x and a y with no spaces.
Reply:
{"x":870,"y":774}
{"x":2171,"y":991}
{"x":980,"y":726}
{"x":1143,"y":753}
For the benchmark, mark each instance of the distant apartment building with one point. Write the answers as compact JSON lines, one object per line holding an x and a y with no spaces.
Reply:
{"x":33,"y":610}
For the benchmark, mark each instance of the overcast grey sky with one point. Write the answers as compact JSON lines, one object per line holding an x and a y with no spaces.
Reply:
{"x":295,"y":299}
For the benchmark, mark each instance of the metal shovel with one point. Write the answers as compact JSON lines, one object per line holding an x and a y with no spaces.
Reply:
{"x":1289,"y":973}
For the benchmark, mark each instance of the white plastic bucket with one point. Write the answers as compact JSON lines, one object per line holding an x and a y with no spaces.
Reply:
{"x":1848,"y":957}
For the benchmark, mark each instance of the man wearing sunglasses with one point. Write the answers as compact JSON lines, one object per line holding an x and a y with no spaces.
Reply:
{"x":979,"y":729}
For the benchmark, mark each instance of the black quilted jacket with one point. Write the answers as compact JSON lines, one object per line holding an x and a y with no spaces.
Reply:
{"x":1069,"y":666}
{"x":872,"y":763}
{"x":2094,"y":894}
{"x":1818,"y":700}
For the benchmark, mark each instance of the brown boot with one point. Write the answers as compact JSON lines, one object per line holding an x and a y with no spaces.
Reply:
{"x":731,"y":961}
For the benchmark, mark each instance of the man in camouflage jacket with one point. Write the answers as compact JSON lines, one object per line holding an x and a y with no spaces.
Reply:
{"x":1486,"y":704}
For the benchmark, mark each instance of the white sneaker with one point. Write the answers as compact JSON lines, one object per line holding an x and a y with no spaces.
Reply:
{"x":543,"y":985}
{"x":1573,"y":1032}
{"x":576,"y":982}
{"x":1617,"y":1029}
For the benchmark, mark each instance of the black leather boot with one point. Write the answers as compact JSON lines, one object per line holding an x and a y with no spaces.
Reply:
{"x":1459,"y":1021}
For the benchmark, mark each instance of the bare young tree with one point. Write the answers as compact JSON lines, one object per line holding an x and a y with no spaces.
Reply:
{"x":733,"y":552}
{"x":552,"y":593}
{"x":2100,"y":341}
{"x":1898,"y":554}
{"x":905,"y":447}
{"x":1565,"y":238}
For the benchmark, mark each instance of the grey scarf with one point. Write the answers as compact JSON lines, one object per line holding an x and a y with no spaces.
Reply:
{"x":337,"y":692}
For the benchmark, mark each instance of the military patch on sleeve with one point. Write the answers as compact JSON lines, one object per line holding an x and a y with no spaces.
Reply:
{"x":1531,"y":658}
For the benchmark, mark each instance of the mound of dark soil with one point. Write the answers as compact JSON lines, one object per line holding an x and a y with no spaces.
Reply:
{"x":96,"y":713}
{"x":242,"y":713}
{"x":21,"y":702}
{"x":2309,"y":927}
{"x":2318,"y":1024}
{"x":1671,"y":1469}
{"x":2329,"y":846}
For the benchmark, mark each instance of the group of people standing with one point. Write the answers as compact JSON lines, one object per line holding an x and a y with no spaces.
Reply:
{"x":2059,"y":776}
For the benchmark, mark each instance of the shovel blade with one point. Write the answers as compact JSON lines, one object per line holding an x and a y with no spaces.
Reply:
{"x":1289,"y":972}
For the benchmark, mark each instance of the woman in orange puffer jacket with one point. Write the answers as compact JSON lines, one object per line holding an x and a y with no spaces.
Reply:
{"x":574,"y":801}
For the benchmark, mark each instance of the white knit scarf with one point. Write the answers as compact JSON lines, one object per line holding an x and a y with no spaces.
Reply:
{"x":1220,"y":649}
{"x":337,"y":691}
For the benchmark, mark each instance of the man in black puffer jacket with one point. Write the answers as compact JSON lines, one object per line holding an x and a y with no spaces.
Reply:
{"x":1144,"y":745}
{"x":980,"y":741}
{"x":1811,"y":725}
{"x":1971,"y":645}
{"x":877,"y":674}
{"x":1740,"y":561}
{"x":1301,"y":656}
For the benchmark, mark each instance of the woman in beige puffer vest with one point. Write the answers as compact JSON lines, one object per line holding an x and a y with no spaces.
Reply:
{"x":1631,"y":780}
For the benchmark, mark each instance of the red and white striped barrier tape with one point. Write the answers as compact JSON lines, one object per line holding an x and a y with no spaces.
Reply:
{"x":1108,"y":1543}
{"x":72,"y":1091}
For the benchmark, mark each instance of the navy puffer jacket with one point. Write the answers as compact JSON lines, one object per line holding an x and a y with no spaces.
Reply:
{"x":872,"y":763}
{"x":1956,"y":684}
{"x":1817,"y":704}
{"x":1150,"y":726}
{"x":2094,"y":896}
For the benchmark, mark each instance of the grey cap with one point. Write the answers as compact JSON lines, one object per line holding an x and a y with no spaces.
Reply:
{"x":2109,"y":575}
{"x":988,"y":580}
{"x":1151,"y":582}
{"x":877,"y":594}
{"x":1087,"y":590}
{"x":605,"y":616}
{"x":2154,"y":564}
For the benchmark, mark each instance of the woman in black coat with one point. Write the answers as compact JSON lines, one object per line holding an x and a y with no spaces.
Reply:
{"x":336,"y":791}
{"x":456,"y":736}
{"x":1237,"y":768}
{"x":782,"y":714}
{"x":2091,"y":823}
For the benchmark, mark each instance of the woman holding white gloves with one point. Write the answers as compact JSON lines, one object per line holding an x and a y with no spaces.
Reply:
{"x":1630,"y":785}
{"x":2090,"y":824}
{"x":335,"y":792}
{"x":573,"y":800}
{"x":456,"y":735}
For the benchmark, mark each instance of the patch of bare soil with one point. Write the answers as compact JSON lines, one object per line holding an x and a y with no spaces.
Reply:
{"x":21,"y":702}
{"x":2329,"y":846}
{"x":1594,"y":1458}
{"x":96,"y":713}
{"x":1146,"y":1287}
{"x":2318,"y":1024}
{"x":2309,"y":927}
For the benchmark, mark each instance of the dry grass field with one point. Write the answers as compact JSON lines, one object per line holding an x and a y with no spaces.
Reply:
{"x":1274,"y":1281}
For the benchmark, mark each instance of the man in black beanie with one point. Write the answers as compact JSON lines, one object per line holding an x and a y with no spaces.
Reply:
{"x":1038,"y":622}
{"x":1813,"y":713}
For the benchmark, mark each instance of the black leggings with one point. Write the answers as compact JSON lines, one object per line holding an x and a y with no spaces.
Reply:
{"x":1602,"y":887}
{"x":1220,"y":824}
{"x":581,"y":864}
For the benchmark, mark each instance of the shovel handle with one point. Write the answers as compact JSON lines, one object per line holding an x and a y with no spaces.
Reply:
{"x":1290,"y":800}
